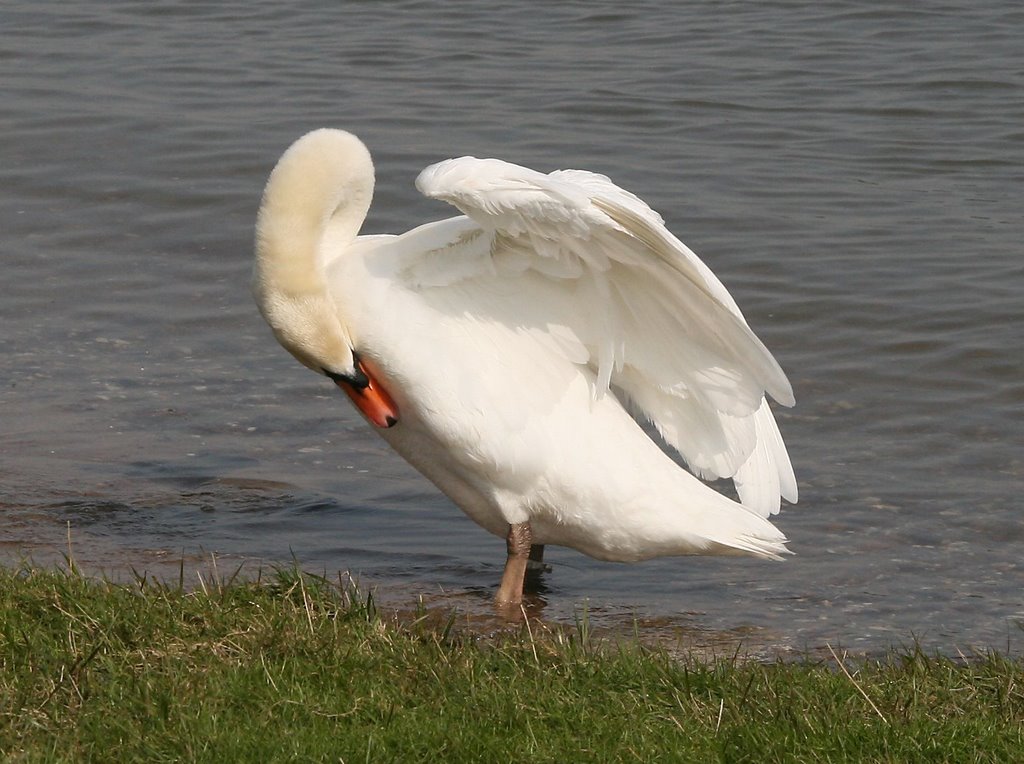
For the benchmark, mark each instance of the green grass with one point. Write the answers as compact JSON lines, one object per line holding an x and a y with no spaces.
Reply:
{"x":298,"y":669}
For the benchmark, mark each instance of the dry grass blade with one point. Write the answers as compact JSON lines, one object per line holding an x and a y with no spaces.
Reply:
{"x":860,"y":689}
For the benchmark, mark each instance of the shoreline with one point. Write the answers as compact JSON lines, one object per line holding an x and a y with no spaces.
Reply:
{"x":297,"y":667}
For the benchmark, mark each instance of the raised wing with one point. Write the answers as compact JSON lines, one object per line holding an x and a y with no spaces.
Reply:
{"x":651,"y":319}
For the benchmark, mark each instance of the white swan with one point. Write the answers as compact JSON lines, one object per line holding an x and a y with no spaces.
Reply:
{"x":502,"y":353}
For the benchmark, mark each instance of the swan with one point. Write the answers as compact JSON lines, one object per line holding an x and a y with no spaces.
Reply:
{"x":513,"y":353}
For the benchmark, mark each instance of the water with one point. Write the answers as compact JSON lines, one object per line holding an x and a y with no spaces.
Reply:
{"x":852,"y":172}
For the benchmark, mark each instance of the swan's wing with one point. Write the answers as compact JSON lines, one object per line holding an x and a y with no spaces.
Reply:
{"x":652,"y":319}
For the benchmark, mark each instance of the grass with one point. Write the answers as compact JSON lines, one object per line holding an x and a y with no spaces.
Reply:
{"x":300,"y":669}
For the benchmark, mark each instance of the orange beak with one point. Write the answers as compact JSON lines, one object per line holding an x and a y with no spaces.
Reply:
{"x":373,"y":400}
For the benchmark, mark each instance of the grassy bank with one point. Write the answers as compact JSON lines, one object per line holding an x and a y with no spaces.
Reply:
{"x":300,"y":669}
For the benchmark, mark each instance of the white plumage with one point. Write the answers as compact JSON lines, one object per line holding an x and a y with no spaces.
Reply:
{"x":509,"y":347}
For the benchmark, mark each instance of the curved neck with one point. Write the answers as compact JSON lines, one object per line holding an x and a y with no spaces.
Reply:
{"x":322,"y":185}
{"x":324,"y":180}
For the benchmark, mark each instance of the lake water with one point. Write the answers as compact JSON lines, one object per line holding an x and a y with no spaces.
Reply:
{"x":853,"y":172}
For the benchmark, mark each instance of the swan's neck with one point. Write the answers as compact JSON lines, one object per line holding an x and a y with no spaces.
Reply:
{"x":322,"y":185}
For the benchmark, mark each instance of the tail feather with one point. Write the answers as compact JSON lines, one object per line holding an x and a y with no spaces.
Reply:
{"x":731,"y":527}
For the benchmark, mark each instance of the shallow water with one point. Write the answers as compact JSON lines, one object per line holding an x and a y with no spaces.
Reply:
{"x":852,"y":173}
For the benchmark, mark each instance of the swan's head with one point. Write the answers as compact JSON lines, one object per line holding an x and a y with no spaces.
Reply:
{"x":319,"y":191}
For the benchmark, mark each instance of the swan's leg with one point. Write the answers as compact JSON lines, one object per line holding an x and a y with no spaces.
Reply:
{"x":510,"y":591}
{"x":537,"y":554}
{"x":535,"y":567}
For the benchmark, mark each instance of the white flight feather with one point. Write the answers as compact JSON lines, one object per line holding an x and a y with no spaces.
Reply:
{"x":634,"y":302}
